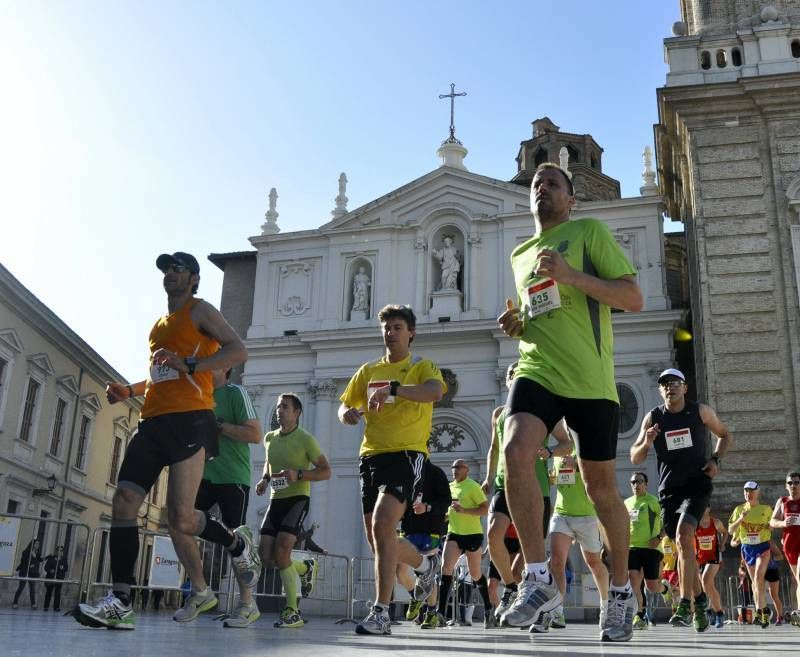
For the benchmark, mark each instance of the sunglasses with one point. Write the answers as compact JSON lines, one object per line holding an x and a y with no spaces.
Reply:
{"x":177,"y":269}
{"x":456,"y":467}
{"x":793,"y":482}
{"x":674,"y":383}
{"x":637,"y":481}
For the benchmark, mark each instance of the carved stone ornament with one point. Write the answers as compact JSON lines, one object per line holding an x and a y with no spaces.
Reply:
{"x":420,"y":244}
{"x":451,"y":380}
{"x":323,"y":390}
{"x":294,"y":288}
{"x":445,"y":437}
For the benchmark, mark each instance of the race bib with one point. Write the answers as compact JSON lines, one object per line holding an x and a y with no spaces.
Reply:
{"x":279,"y":483}
{"x":161,"y":373}
{"x":374,"y":385}
{"x":792,"y":519}
{"x":634,"y":514}
{"x":705,"y":542}
{"x":543,"y":297}
{"x":667,"y":549}
{"x":753,"y":538}
{"x":566,"y":477}
{"x":678,"y":439}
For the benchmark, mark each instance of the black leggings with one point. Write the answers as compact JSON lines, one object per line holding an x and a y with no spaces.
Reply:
{"x":31,"y":591}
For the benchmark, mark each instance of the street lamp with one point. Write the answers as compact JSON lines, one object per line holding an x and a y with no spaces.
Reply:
{"x":51,"y":484}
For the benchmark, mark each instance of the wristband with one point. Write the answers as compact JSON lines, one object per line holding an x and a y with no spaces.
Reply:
{"x":299,"y":475}
{"x":716,"y":460}
{"x":393,"y":386}
{"x":266,"y":477}
{"x":191,"y":363}
{"x":549,"y":450}
{"x":130,"y":392}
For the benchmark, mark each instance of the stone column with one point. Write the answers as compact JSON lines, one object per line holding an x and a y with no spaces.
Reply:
{"x":324,"y":393}
{"x":473,"y":294}
{"x":421,"y":302}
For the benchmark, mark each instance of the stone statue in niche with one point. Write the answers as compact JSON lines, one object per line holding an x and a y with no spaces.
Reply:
{"x":361,"y":285}
{"x":450,"y":264}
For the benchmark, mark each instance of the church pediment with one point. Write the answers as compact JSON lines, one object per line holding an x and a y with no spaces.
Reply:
{"x":10,"y":340}
{"x":469,"y":195}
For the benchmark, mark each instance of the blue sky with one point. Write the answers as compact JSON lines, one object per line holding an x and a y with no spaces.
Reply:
{"x":130,"y":129}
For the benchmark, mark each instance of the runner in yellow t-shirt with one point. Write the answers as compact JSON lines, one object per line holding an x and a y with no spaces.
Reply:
{"x":395,"y":396}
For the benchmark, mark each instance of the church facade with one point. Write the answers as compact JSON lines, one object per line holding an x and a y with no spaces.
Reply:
{"x":307,"y":302}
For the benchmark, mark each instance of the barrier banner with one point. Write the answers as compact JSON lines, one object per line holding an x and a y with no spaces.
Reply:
{"x":590,"y":596}
{"x":166,"y":571}
{"x":9,"y":530}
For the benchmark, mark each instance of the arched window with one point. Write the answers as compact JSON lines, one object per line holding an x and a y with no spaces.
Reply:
{"x":628,"y":408}
{"x":722,"y":58}
{"x":736,"y":57}
{"x":796,"y":48}
{"x":705,"y":60}
{"x":540,"y":157}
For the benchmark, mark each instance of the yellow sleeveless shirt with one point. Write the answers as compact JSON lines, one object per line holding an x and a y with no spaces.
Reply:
{"x":170,"y":391}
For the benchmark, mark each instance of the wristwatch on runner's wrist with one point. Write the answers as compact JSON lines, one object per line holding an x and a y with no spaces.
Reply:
{"x":191,"y":363}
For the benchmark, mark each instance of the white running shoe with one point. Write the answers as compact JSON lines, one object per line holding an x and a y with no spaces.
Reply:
{"x":376,"y":622}
{"x":109,"y":612}
{"x":248,"y":563}
{"x":533,"y":598}
{"x":243,"y":615}
{"x":195,"y":605}
{"x":619,"y":618}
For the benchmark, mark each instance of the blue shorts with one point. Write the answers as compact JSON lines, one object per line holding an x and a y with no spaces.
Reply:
{"x":752,"y":552}
{"x":423,"y":542}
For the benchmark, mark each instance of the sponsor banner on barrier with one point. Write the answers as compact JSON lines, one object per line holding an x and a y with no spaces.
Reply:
{"x":9,"y":531}
{"x":166,"y":571}
{"x":590,"y":596}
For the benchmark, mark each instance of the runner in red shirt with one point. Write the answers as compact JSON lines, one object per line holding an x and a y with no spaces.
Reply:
{"x":786,"y":516}
{"x":709,"y":537}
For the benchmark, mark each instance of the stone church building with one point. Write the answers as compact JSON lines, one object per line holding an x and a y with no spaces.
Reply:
{"x":728,"y":150}
{"x":307,"y":302}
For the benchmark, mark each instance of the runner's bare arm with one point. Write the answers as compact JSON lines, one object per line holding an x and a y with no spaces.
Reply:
{"x":116,"y":392}
{"x":430,"y":391}
{"x":348,"y":415}
{"x":320,"y":472}
{"x":564,"y":442}
{"x":247,"y":432}
{"x":622,"y":292}
{"x":641,"y":446}
{"x":777,"y":520}
{"x":718,"y":428}
{"x":493,"y":455}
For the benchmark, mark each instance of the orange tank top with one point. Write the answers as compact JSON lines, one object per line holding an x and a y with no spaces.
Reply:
{"x":170,"y":391}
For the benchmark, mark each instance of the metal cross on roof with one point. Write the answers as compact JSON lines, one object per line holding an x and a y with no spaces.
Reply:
{"x":452,"y":96}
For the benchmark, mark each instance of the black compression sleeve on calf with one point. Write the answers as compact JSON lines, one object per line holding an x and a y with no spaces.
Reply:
{"x":444,"y":592}
{"x":124,"y":549}
{"x":214,"y":531}
{"x":483,"y":588}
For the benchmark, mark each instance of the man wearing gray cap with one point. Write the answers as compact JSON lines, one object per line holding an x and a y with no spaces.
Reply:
{"x":178,"y":429}
{"x":678,"y":431}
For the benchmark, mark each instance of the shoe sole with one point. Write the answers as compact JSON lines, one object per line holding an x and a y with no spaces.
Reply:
{"x":249,"y":622}
{"x":89,"y":621}
{"x":607,"y":639}
{"x":361,"y":630}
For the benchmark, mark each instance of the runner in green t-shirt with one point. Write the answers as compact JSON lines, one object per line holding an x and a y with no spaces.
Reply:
{"x":291,"y":453}
{"x":464,"y":534}
{"x":574,"y":519}
{"x":568,"y":276}
{"x":644,"y":557}
{"x":226,"y":478}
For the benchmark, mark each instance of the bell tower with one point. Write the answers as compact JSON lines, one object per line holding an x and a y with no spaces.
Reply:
{"x":728,"y":152}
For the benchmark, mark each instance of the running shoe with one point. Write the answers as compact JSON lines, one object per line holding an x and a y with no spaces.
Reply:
{"x":682,"y":616}
{"x":242,"y":615}
{"x":291,"y":618}
{"x":779,"y":621}
{"x":431,"y":621}
{"x":639,"y":622}
{"x":109,"y":612}
{"x":489,"y":619}
{"x":533,"y":599}
{"x":542,"y":624}
{"x":794,"y":618}
{"x":426,"y":581}
{"x":509,"y":595}
{"x":557,"y":620}
{"x":414,"y":607}
{"x":195,"y":605}
{"x":308,"y":578}
{"x":248,"y":563}
{"x":719,"y":621}
{"x":700,"y":620}
{"x":666,"y":593}
{"x":765,"y":619}
{"x":376,"y":622}
{"x":619,"y":616}
{"x":458,"y":623}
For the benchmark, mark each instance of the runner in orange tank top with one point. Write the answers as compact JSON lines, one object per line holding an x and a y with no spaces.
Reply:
{"x":178,"y":429}
{"x":709,"y":537}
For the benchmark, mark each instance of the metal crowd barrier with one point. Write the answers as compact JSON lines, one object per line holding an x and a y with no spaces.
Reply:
{"x":733,"y":598}
{"x":97,"y":566}
{"x":51,"y":533}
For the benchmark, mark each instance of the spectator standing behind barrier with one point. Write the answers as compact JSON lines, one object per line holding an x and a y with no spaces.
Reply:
{"x":29,"y":567}
{"x":55,"y":567}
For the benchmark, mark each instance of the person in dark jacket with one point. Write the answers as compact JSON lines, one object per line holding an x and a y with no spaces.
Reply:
{"x":29,"y":567}
{"x":55,"y":567}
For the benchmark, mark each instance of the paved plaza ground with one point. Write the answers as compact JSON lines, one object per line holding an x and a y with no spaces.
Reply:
{"x":26,"y":633}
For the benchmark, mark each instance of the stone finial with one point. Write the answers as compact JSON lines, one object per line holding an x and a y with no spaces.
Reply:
{"x":341,"y":199}
{"x":270,"y":226}
{"x":679,"y":29}
{"x":649,"y":187}
{"x":563,"y":160}
{"x":769,"y":14}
